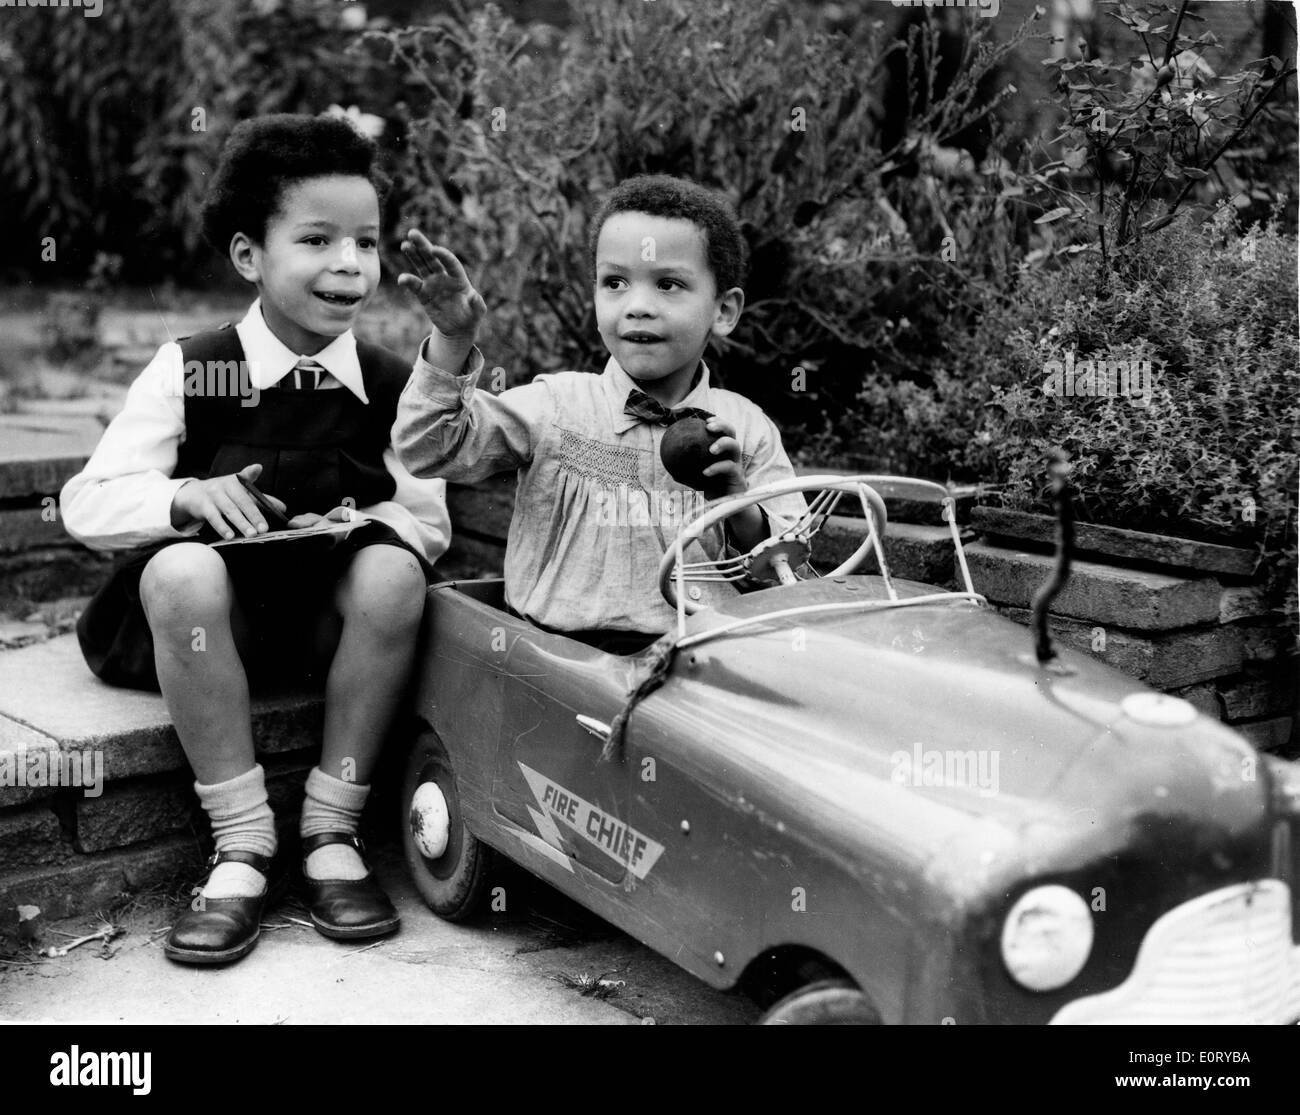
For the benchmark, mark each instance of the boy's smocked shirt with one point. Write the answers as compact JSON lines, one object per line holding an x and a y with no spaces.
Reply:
{"x":595,"y":509}
{"x":122,"y":499}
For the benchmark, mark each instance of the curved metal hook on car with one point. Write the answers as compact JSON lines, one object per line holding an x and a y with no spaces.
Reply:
{"x":1048,"y":591}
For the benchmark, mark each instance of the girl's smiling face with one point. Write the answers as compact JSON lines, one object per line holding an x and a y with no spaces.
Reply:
{"x":657,"y":302}
{"x":319,"y":262}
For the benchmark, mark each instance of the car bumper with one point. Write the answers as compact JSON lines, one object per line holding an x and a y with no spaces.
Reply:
{"x":1226,"y":957}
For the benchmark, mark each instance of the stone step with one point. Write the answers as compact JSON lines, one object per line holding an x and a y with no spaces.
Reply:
{"x":1269,"y":692}
{"x":47,"y":689}
{"x":914,"y":552}
{"x":1165,"y":660}
{"x":47,"y":442}
{"x":95,"y":792}
{"x":1273,"y":734}
{"x":35,"y":577}
{"x":29,"y":528}
{"x":86,"y":884}
{"x":1116,"y":542}
{"x":1104,"y":594}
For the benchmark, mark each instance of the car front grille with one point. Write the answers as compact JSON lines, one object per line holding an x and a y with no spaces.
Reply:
{"x":1226,"y":957}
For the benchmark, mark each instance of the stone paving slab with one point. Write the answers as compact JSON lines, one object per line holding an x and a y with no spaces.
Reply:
{"x":18,"y":633}
{"x":46,"y":441}
{"x":31,"y":837}
{"x":87,"y":883}
{"x":134,"y":813}
{"x":914,"y":552}
{"x":30,"y":528}
{"x":503,"y":968}
{"x":1263,"y":696}
{"x":1099,"y":593}
{"x":1244,"y":602}
{"x":1164,"y":661}
{"x":1268,"y":735}
{"x":48,"y":688}
{"x":18,"y":745}
{"x":1118,"y":542}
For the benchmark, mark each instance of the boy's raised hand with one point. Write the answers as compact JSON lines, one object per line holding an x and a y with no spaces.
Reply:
{"x":442,"y":287}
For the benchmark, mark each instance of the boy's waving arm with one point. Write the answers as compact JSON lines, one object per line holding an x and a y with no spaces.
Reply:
{"x":445,"y":426}
{"x":439,"y":283}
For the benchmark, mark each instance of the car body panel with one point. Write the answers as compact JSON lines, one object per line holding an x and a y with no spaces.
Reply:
{"x":773,"y":791}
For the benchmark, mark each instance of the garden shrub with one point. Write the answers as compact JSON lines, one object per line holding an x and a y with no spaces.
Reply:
{"x":1213,"y":455}
{"x":102,"y":147}
{"x":78,"y":97}
{"x":847,"y":238}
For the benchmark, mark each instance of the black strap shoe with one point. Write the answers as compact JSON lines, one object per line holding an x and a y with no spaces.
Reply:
{"x":347,"y":909}
{"x":219,"y":930}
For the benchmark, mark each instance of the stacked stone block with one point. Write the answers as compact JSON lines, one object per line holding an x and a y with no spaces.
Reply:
{"x":1184,"y":617}
{"x":68,"y":849}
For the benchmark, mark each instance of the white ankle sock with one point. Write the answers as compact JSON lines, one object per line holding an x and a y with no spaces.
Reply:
{"x":241,"y":820}
{"x":333,"y":805}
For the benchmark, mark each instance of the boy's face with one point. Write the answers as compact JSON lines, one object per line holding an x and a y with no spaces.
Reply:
{"x":319,"y":263}
{"x":657,"y":302}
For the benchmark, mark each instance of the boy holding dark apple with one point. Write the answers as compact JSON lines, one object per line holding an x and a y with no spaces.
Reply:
{"x":668,"y":260}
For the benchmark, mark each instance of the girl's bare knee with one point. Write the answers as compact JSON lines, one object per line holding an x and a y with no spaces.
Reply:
{"x":187,"y":578}
{"x":386,"y":586}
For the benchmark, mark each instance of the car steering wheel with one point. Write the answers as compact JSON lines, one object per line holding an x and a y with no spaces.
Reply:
{"x":776,"y":558}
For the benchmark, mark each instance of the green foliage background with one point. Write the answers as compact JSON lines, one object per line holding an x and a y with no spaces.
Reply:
{"x":918,"y":290}
{"x":98,"y":125}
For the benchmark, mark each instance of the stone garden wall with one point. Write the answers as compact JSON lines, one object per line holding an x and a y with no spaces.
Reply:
{"x":1186,"y":618}
{"x":1187,"y":621}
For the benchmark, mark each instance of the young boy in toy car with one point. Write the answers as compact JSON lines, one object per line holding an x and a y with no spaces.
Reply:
{"x":668,"y":259}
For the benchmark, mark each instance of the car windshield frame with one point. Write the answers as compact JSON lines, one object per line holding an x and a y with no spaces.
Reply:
{"x":915,"y":488}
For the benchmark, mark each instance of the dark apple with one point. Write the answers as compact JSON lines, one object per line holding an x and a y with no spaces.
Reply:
{"x":685,"y":452}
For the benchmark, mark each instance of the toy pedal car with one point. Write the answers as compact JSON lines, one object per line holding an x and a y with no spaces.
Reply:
{"x":861,"y":796}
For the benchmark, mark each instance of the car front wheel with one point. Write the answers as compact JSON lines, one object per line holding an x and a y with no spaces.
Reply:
{"x":448,"y":864}
{"x":824,"y":1003}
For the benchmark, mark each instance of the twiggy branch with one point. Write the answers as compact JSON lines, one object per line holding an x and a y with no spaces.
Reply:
{"x":1237,"y":133}
{"x":1173,"y":32}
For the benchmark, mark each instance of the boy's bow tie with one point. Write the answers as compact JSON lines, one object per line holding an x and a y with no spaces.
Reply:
{"x":640,"y":405}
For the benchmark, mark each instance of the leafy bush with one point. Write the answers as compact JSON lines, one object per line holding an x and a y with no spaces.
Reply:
{"x":1153,"y":119}
{"x":1212,"y":455}
{"x":102,"y":147}
{"x":78,"y":97}
{"x":524,"y":127}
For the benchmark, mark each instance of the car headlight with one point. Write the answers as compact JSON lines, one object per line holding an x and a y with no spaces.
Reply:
{"x":1047,"y":937}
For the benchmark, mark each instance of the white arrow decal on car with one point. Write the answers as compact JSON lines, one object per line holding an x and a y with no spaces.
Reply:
{"x":617,"y":839}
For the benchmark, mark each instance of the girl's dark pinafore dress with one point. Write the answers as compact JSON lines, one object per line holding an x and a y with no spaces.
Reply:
{"x":318,"y":450}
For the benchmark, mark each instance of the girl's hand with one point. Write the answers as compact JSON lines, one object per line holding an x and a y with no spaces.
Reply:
{"x":223,"y":503}
{"x":442,"y":288}
{"x":334,"y":515}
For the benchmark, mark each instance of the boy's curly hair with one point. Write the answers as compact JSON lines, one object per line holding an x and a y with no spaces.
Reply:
{"x":264,"y":156}
{"x":660,"y":195}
